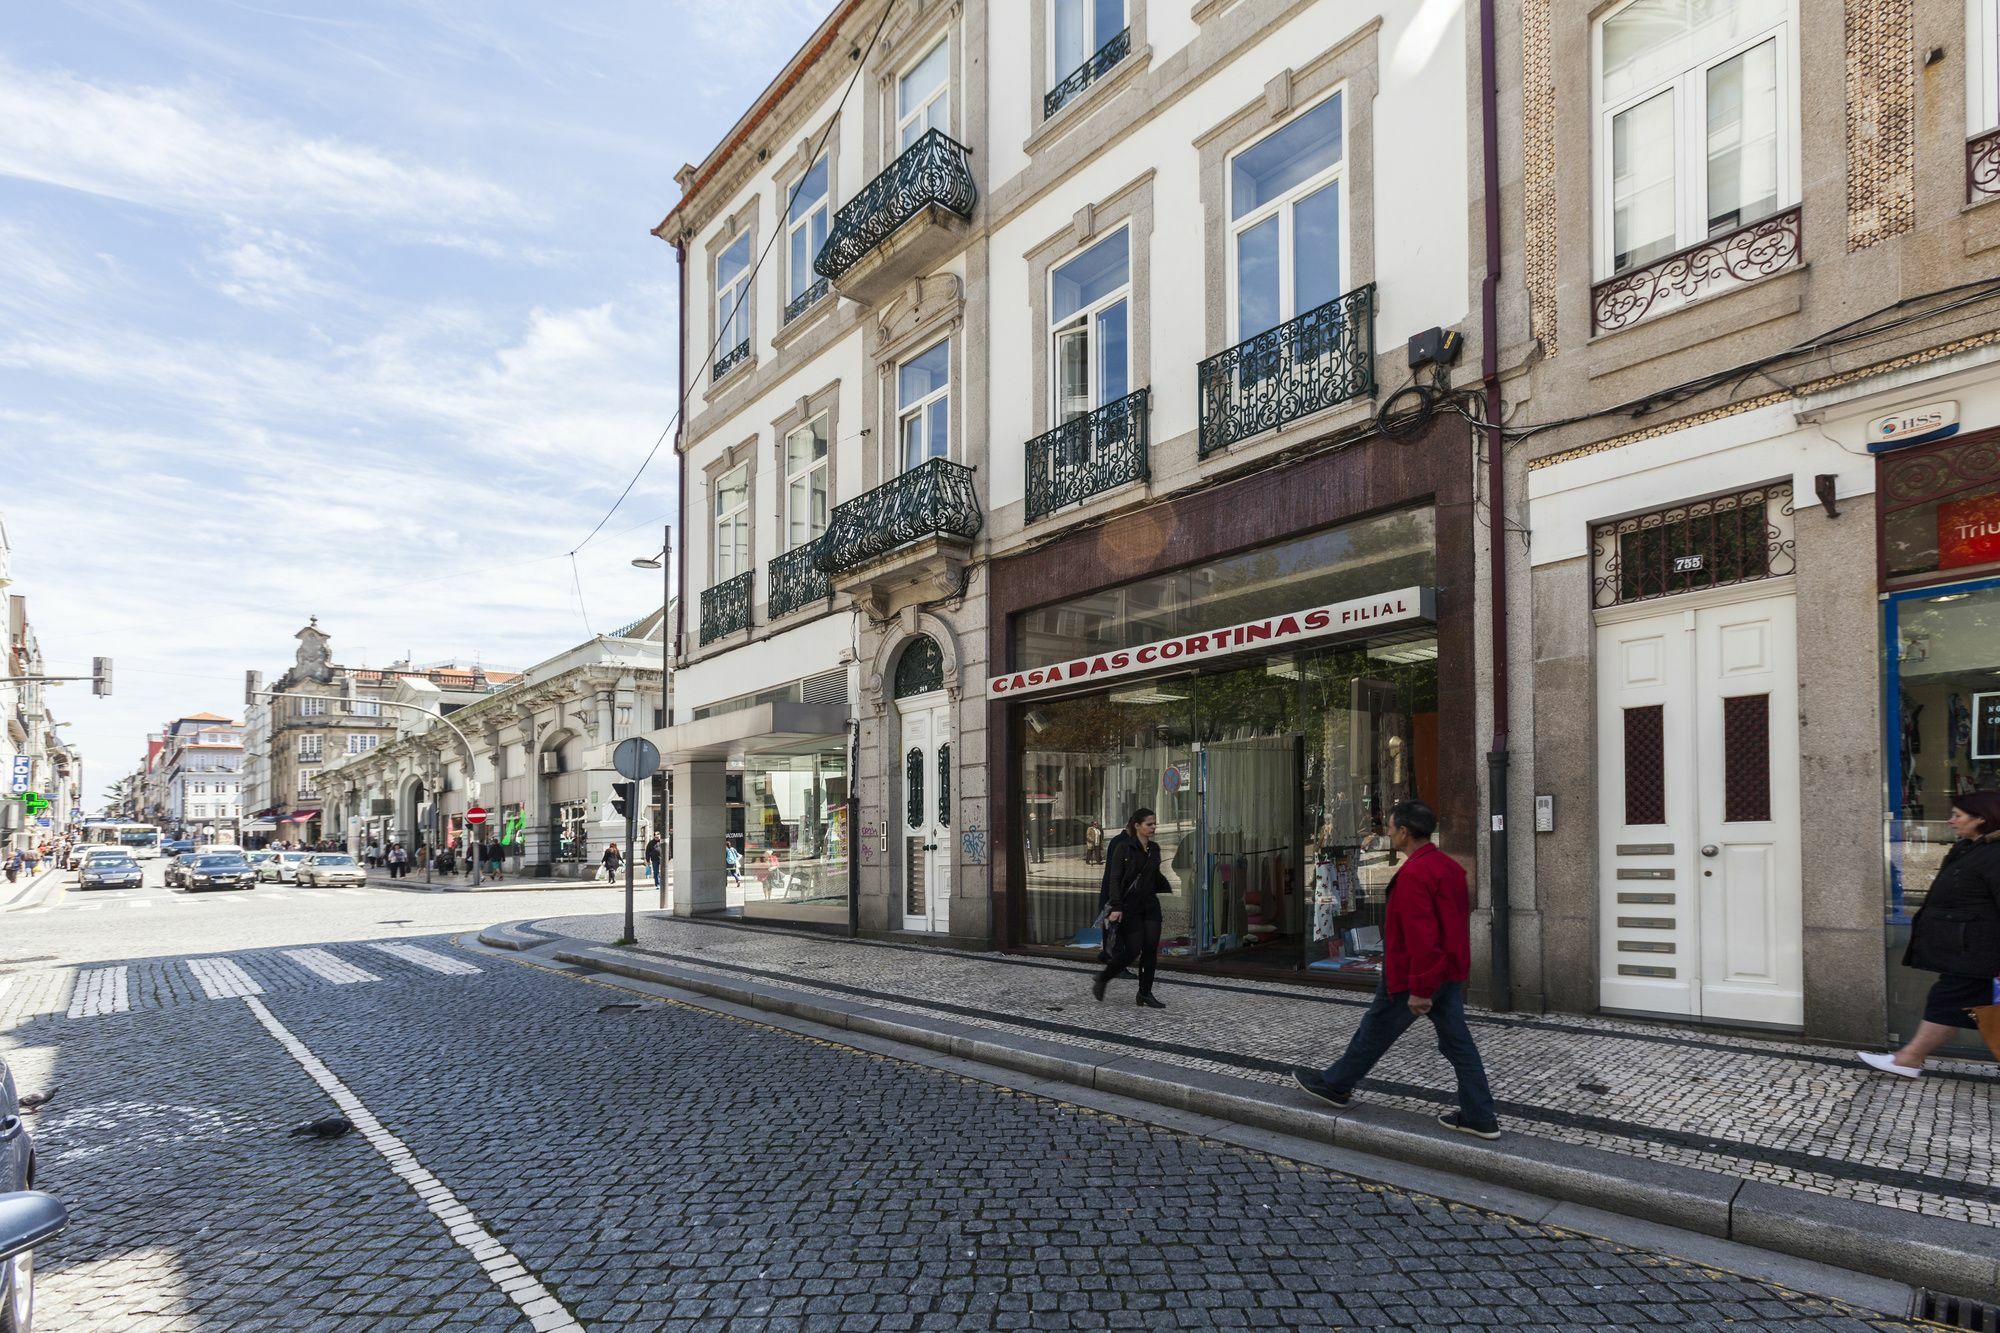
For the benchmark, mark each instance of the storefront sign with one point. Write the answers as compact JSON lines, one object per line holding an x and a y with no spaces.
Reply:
{"x":1986,"y":726}
{"x":1969,"y":531}
{"x":1919,"y":425}
{"x":1271,"y":634}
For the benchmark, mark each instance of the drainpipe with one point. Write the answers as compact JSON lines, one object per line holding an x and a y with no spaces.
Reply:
{"x":680,"y":428}
{"x":1501,"y":980}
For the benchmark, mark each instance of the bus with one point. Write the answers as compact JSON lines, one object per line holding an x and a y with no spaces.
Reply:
{"x":142,"y":840}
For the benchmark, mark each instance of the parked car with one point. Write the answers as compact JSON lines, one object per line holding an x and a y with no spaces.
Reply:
{"x":119,"y":870}
{"x":24,"y":1218}
{"x":328,"y":868}
{"x":220,"y":871}
{"x":176,"y":846}
{"x":283,"y":867}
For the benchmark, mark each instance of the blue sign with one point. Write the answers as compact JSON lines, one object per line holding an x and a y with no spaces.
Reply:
{"x":46,"y":822}
{"x":1172,"y":779}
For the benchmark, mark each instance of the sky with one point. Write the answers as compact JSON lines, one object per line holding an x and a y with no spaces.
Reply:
{"x":341,"y":308}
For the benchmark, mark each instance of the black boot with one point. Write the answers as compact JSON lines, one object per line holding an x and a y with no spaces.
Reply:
{"x":1097,"y":987}
{"x":1146,"y":1000}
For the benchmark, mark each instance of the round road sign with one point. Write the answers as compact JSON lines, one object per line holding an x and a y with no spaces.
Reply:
{"x":636,"y":758}
{"x":475,"y":816}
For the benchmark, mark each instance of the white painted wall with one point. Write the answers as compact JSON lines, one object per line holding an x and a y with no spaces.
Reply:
{"x":784,"y":657}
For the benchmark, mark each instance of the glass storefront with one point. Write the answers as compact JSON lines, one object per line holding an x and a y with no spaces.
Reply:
{"x":567,"y":831}
{"x":788,"y":819}
{"x":1272,"y":773}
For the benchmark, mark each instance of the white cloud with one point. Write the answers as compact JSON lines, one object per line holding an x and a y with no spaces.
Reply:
{"x":270,"y":270}
{"x":185,"y":150}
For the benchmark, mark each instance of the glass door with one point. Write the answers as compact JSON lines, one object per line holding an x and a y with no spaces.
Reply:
{"x":1248,"y":848}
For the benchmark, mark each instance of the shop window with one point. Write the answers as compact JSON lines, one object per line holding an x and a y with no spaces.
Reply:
{"x":920,"y":669}
{"x":567,"y":831}
{"x":1645,"y":765}
{"x":1712,"y":543}
{"x":1940,"y":511}
{"x":1746,"y":759}
{"x":788,"y":817}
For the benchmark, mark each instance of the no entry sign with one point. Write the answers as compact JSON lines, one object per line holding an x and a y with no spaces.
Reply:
{"x":475,"y":816}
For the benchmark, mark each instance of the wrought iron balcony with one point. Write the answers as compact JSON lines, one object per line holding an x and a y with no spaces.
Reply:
{"x":725,"y":608}
{"x":1315,"y":361}
{"x":931,"y":173}
{"x":805,"y":300}
{"x":1089,"y":72}
{"x":1770,"y":245}
{"x":730,"y":359}
{"x":933,"y":499}
{"x":796,"y":581}
{"x":1982,"y":167}
{"x":1093,"y":453}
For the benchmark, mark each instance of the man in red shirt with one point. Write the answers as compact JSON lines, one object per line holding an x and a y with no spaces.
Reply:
{"x":1428,"y":956}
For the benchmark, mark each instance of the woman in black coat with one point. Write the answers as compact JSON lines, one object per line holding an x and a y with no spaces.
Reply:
{"x":1132,"y":887}
{"x":1956,"y":933}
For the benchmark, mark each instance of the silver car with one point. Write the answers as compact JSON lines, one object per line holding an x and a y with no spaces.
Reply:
{"x":17,"y":1211}
{"x":329,"y":868}
{"x":284,"y":867}
{"x":117,"y":871}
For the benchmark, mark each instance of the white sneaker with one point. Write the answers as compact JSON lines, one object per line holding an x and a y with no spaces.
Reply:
{"x":1888,"y":1065}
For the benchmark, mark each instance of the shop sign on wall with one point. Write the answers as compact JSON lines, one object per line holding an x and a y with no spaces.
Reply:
{"x":1273,"y":633}
{"x":1986,"y":726}
{"x":1969,"y":531}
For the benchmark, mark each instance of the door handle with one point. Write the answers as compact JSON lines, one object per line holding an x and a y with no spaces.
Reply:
{"x":1709,"y":850}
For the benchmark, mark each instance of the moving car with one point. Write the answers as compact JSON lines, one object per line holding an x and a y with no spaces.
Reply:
{"x":17,"y":1173}
{"x":327,"y":868}
{"x":218,"y":871}
{"x":118,"y":869}
{"x":176,"y":846}
{"x":221,"y":847}
{"x":78,"y":851}
{"x":283,"y":867}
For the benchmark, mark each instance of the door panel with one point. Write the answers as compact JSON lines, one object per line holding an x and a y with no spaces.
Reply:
{"x":926,"y":779}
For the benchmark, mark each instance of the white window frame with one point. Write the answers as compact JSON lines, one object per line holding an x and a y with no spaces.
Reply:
{"x":1282,"y":208}
{"x":365,"y":708}
{"x":1093,"y":41}
{"x":360,"y":744}
{"x":1690,"y":94}
{"x":797,"y":282}
{"x":905,"y":119}
{"x":738,"y":513}
{"x":312,"y":707}
{"x":920,"y":409}
{"x":737,"y":294}
{"x":1982,"y":67}
{"x":822,"y":464}
{"x":308,"y":787}
{"x":1084,"y":320}
{"x":311,"y":747}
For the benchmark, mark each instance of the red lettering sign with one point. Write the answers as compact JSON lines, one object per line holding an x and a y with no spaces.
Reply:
{"x":1969,"y":531}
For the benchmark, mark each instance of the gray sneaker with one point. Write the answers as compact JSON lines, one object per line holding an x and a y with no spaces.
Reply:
{"x":1315,"y":1083}
{"x":1456,"y":1120}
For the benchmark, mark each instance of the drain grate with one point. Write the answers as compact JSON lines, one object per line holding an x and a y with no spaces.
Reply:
{"x":1955,"y":1311}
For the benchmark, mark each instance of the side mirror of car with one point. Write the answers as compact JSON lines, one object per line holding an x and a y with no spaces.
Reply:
{"x":27,"y":1218}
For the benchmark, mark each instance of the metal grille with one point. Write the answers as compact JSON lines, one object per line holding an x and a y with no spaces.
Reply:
{"x":730,"y":359}
{"x":920,"y":669}
{"x":913,"y":890}
{"x":1744,"y":255}
{"x":933,"y":499}
{"x":1701,"y":544}
{"x":933,"y":171}
{"x":1093,"y":453}
{"x":1955,"y":1311}
{"x":913,"y":804}
{"x":725,"y":608}
{"x":1746,"y":759}
{"x":1917,"y":478}
{"x":796,"y":580}
{"x":1982,"y":167}
{"x":1089,"y":72}
{"x":1646,"y":765}
{"x":1323,"y":357}
{"x":805,"y":300}
{"x":944,"y":786}
{"x":828,"y":687}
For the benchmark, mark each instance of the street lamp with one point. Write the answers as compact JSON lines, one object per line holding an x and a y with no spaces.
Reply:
{"x":664,"y":562}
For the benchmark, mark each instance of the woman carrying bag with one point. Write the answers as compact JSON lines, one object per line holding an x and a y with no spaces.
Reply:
{"x":1956,"y":933}
{"x":1133,"y":888}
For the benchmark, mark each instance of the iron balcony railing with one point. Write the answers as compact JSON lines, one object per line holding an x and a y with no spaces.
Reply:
{"x":933,"y":499}
{"x":730,"y":359}
{"x":805,"y":300}
{"x":1323,"y":357}
{"x":796,"y":580}
{"x":931,"y":171}
{"x":725,"y":608}
{"x":1091,"y":454}
{"x":1757,"y":250}
{"x":1089,"y":72}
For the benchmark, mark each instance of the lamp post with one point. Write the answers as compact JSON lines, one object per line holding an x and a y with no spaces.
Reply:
{"x":664,"y":562}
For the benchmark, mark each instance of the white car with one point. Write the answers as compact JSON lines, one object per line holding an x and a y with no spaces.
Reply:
{"x":224,"y":847}
{"x":330,"y":868}
{"x":284,"y":867}
{"x":79,"y":855}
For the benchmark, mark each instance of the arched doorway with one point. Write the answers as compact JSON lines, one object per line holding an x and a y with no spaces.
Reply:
{"x":923,"y":716}
{"x":410,"y":812}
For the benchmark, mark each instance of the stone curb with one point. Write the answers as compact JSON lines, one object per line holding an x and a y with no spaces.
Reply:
{"x":1959,"y":1258}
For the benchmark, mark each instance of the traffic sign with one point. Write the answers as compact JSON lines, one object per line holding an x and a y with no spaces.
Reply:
{"x":46,"y":822}
{"x":636,"y":758}
{"x":475,"y":816}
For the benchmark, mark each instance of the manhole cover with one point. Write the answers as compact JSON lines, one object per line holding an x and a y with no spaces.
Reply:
{"x":1955,"y":1311}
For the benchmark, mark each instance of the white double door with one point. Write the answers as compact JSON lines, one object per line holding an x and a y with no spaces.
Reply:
{"x":1698,"y":808}
{"x":925,"y":773}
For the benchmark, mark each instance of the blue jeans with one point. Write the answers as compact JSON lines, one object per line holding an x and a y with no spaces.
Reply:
{"x":1389,"y":1017}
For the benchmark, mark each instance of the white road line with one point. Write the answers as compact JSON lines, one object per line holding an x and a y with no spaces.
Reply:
{"x":140,"y":902}
{"x":6,"y":984}
{"x":502,"y":1268}
{"x":422,"y":957}
{"x":321,"y":963}
{"x":311,"y":893}
{"x":352,"y":893}
{"x":99,"y":990}
{"x":223,"y":979}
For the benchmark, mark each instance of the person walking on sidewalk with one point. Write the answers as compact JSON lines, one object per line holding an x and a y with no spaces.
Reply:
{"x":1956,"y":934}
{"x":399,"y":860}
{"x":732,"y":861}
{"x":612,"y":859}
{"x":1135,"y":885}
{"x":496,"y":857}
{"x":656,"y":852}
{"x":1428,"y":957}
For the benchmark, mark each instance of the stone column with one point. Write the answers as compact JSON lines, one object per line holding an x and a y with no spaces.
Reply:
{"x":701,"y":823}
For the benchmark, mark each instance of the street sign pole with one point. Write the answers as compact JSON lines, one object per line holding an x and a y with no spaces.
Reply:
{"x":636,"y":760}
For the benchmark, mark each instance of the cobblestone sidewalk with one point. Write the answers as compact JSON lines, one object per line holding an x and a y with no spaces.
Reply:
{"x":1784,"y":1113}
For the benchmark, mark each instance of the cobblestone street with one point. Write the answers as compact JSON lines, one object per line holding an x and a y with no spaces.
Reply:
{"x":650,"y":1165}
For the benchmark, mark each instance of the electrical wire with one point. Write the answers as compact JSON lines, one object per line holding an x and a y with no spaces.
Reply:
{"x":680,"y":408}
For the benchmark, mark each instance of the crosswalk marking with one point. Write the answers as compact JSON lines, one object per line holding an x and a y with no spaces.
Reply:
{"x":311,"y":893}
{"x":223,"y":979}
{"x":436,"y":962}
{"x":99,"y":990}
{"x":140,"y":902}
{"x":321,"y":963}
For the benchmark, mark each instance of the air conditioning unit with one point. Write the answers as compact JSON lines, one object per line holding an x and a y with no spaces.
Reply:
{"x":551,"y":762}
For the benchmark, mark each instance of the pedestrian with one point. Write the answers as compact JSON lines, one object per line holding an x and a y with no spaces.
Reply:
{"x":496,"y":853}
{"x":612,"y":858}
{"x":14,"y":864}
{"x":656,"y":855}
{"x":1427,"y":940}
{"x":1956,"y":933}
{"x":733,"y":861}
{"x":399,"y":860}
{"x":34,"y":858}
{"x":475,"y":853}
{"x":1093,"y":843}
{"x":1133,"y":885}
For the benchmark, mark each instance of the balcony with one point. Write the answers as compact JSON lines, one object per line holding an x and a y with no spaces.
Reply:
{"x":902,"y":223}
{"x":805,"y":300}
{"x":1318,"y":360}
{"x":1982,"y":167}
{"x":796,"y":581}
{"x":730,"y":359}
{"x":725,"y":608}
{"x":1713,"y":266}
{"x":912,"y":533}
{"x":1089,"y":72}
{"x":1089,"y":455}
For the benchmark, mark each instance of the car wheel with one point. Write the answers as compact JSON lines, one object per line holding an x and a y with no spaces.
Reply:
{"x":17,"y":1293}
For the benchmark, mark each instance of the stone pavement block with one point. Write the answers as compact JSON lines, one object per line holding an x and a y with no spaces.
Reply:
{"x":1923,"y":1251}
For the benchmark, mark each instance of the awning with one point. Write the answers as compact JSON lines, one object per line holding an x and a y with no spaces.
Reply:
{"x":261,"y":826}
{"x":300,"y":817}
{"x":773,"y":728}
